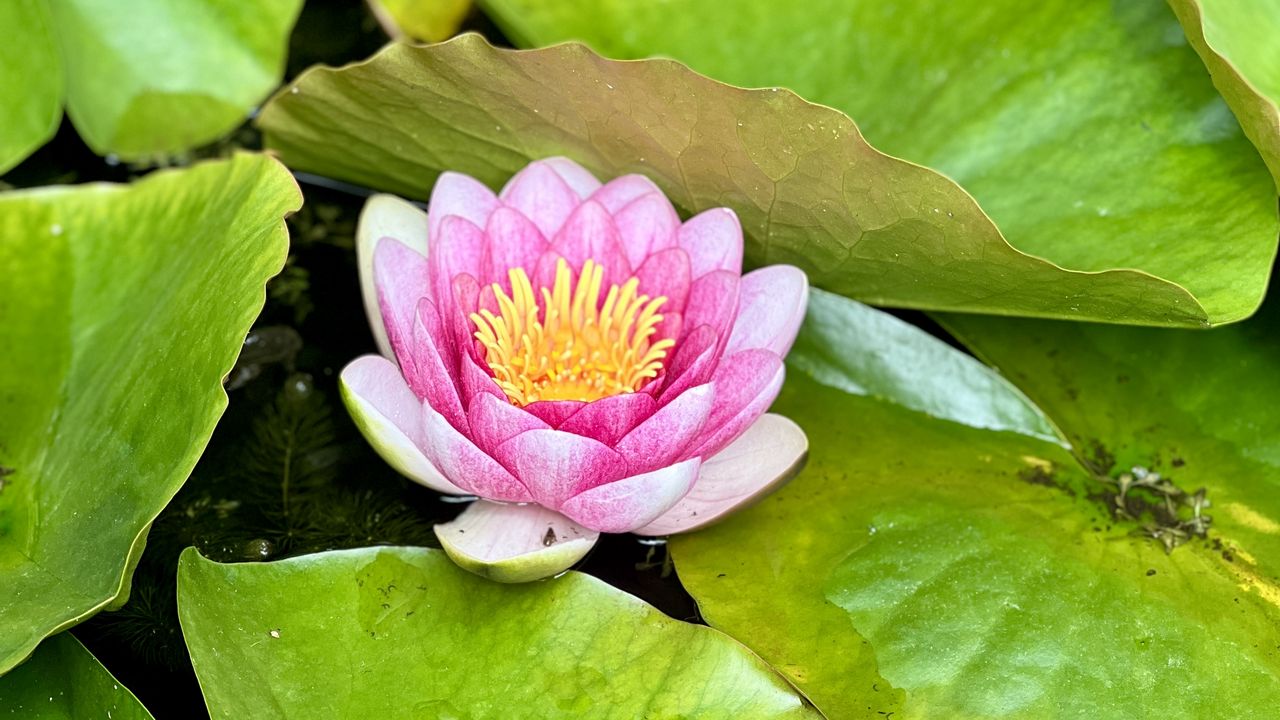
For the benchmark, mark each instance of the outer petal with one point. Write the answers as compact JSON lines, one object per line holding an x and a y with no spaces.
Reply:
{"x":608,"y":419}
{"x":466,"y":465}
{"x":746,"y":385}
{"x":574,"y":175}
{"x":389,"y":416}
{"x":542,"y":195}
{"x":514,"y":543}
{"x":512,"y":241}
{"x":557,"y":465}
{"x":664,"y":437}
{"x":632,"y":502}
{"x":771,"y":308}
{"x":713,"y":240}
{"x":401,"y":278}
{"x":767,"y":455}
{"x":647,"y":225}
{"x":589,"y":233}
{"x":461,"y":196}
{"x":623,"y":190}
{"x":385,"y":216}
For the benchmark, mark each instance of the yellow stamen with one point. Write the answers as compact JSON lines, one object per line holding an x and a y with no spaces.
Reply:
{"x":571,"y":347}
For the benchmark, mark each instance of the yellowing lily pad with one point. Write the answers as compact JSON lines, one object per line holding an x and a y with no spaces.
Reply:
{"x":121,"y":310}
{"x":1088,"y":130}
{"x":402,"y":632}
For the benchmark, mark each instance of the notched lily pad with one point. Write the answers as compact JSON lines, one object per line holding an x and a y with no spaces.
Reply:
{"x":122,"y":310}
{"x":403,"y":632}
{"x":808,"y":189}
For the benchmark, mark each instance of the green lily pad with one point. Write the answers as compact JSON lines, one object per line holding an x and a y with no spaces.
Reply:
{"x":1197,"y":407}
{"x":63,"y":681}
{"x":156,"y":80}
{"x":935,"y":570}
{"x":402,"y":632}
{"x":1088,"y":130}
{"x":121,"y":310}
{"x":1237,"y":41}
{"x":30,"y":69}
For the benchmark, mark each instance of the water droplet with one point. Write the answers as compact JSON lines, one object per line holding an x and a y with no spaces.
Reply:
{"x":56,"y":229}
{"x":293,"y":90}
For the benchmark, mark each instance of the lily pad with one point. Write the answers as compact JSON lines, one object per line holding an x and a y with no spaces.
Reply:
{"x":933,"y":570}
{"x":156,"y":80}
{"x":429,"y":20}
{"x":63,"y":681}
{"x":402,"y":632}
{"x":1237,"y":41}
{"x":1088,"y":130}
{"x":122,"y":309}
{"x":1197,"y":407}
{"x":31,"y":70}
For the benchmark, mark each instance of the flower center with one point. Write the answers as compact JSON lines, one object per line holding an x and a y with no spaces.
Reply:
{"x":571,"y":347}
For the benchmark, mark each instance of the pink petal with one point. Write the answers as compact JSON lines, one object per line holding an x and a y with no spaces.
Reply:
{"x":692,"y":363}
{"x":767,"y":455}
{"x":462,"y":196}
{"x":542,"y":195}
{"x":475,"y":381}
{"x":663,"y":438}
{"x":622,"y":191}
{"x":385,"y":216}
{"x":632,"y":502}
{"x":557,"y":465}
{"x":400,"y":275}
{"x":389,"y":415}
{"x":666,"y":274}
{"x":457,"y":249}
{"x":513,"y":242}
{"x":495,"y":420}
{"x":466,"y":465}
{"x":746,"y":385}
{"x":713,"y":301}
{"x":555,"y":412}
{"x":608,"y":419}
{"x":647,"y":225}
{"x":428,"y":369}
{"x":713,"y":240}
{"x":514,"y":543}
{"x":771,"y":308}
{"x":589,"y":234}
{"x":574,"y":175}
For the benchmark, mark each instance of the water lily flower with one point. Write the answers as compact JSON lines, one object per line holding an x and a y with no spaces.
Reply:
{"x":576,"y":357}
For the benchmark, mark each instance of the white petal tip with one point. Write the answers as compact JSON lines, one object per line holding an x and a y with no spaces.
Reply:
{"x":514,"y":543}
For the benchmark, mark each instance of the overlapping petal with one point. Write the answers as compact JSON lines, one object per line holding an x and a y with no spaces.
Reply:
{"x":669,"y":453}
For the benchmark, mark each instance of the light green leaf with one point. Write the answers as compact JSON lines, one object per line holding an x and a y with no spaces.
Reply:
{"x":1237,"y":41}
{"x":63,"y":681}
{"x":429,"y":20}
{"x":909,"y":367}
{"x":121,"y":310}
{"x":156,"y":80}
{"x":932,"y":570}
{"x":31,"y":78}
{"x":1088,"y":130}
{"x":403,"y":632}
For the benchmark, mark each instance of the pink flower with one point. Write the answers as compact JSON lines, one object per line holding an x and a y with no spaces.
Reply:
{"x":576,"y":357}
